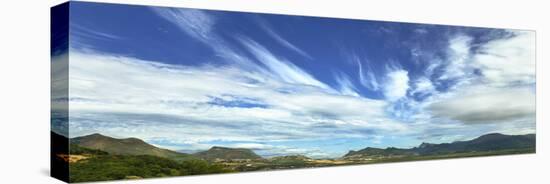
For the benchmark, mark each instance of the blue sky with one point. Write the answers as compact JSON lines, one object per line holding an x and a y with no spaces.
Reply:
{"x":189,"y":79}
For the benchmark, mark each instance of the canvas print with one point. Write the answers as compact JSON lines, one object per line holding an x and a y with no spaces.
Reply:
{"x":145,"y":92}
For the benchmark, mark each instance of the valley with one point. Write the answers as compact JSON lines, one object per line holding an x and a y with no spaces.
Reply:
{"x":97,"y":157}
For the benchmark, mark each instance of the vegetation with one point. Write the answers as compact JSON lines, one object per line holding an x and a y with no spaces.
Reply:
{"x":98,"y":158}
{"x":116,"y":167}
{"x":290,"y":161}
{"x":112,"y":162}
{"x":79,"y":150}
{"x":129,"y":146}
{"x":217,"y":152}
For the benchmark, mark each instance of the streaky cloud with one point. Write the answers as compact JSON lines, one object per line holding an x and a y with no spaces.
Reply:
{"x":271,"y":32}
{"x":199,"y":25}
{"x":184,"y":111}
{"x":281,"y":68}
{"x":345,"y":86}
{"x":196,"y":23}
{"x":367,"y":78}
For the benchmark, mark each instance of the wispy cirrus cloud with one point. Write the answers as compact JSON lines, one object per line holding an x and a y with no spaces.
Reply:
{"x":367,"y":77}
{"x":345,"y":85}
{"x":271,"y":32}
{"x":186,"y":109}
{"x":200,"y":25}
{"x":87,"y":32}
{"x":255,"y":97}
{"x":81,"y":35}
{"x":195,"y":23}
{"x":293,"y":104}
{"x":282,"y":69}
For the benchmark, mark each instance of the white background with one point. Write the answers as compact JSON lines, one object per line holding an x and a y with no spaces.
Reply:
{"x":24,"y":90}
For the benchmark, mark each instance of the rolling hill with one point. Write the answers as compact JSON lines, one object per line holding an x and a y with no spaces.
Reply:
{"x":224,"y":153}
{"x":128,"y":146}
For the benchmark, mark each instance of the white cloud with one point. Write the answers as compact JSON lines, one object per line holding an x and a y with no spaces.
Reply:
{"x":480,"y":104}
{"x":367,"y":78}
{"x":423,"y":86}
{"x":396,"y":85}
{"x":508,"y":61}
{"x":265,"y":26}
{"x":252,"y":146}
{"x":59,"y":81}
{"x":195,"y":23}
{"x":498,"y":99}
{"x":200,"y":25}
{"x":346,"y":87}
{"x":128,"y":97}
{"x":459,"y":57}
{"x":167,"y":101}
{"x":491,"y":91}
{"x":284,"y":70}
{"x":81,"y":31}
{"x":59,"y":93}
{"x":280,"y":150}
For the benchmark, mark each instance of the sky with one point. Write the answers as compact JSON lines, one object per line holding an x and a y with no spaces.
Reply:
{"x":189,"y":79}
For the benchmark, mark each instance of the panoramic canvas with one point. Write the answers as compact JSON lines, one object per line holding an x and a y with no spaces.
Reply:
{"x":144,"y":92}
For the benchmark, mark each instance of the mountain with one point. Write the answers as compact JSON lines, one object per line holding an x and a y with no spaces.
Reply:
{"x":128,"y":146}
{"x":488,"y":142}
{"x":369,"y":151}
{"x":224,"y":153}
{"x":107,"y":158}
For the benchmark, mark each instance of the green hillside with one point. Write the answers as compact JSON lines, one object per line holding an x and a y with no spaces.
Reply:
{"x":227,"y":154}
{"x":128,"y":146}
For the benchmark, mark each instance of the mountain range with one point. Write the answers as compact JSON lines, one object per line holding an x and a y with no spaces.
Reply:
{"x":97,"y":157}
{"x":134,"y":146}
{"x":488,"y":142}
